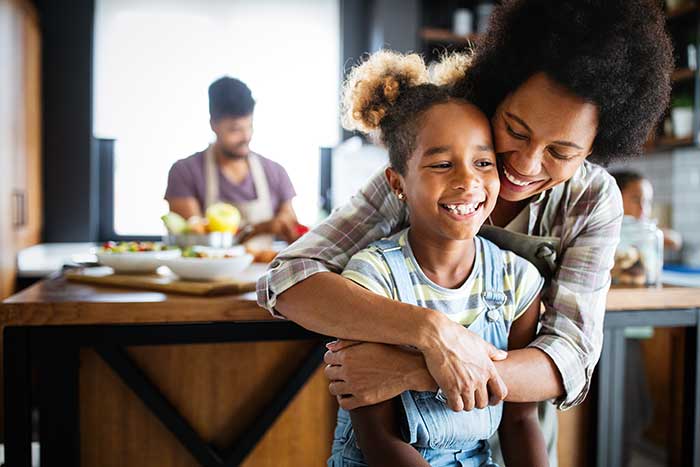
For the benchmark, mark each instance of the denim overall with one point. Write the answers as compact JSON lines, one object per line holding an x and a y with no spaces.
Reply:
{"x":443,"y":437}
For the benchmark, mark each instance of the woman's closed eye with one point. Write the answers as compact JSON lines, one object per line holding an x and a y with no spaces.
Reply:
{"x":514,"y":133}
{"x":564,"y":157}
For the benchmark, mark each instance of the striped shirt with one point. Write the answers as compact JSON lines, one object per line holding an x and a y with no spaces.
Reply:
{"x":585,"y":213}
{"x":521,"y":282}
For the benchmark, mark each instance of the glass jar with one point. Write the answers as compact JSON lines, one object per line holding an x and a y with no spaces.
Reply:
{"x":640,"y":255}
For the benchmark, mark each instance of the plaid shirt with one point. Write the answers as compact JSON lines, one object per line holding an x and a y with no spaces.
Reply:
{"x":585,"y":213}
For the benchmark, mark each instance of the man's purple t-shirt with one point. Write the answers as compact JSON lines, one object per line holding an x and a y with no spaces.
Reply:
{"x":187,"y":179}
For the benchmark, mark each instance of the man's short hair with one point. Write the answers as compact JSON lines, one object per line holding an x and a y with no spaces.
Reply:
{"x":229,"y":97}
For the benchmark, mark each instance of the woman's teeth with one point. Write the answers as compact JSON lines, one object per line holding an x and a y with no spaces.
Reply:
{"x":462,"y":209}
{"x":511,"y":178}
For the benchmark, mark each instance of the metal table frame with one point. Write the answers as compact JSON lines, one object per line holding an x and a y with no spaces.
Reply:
{"x":611,"y":381}
{"x":53,"y":351}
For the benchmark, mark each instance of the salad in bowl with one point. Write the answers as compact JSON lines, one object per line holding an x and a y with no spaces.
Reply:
{"x":135,"y":257}
{"x":203,"y":263}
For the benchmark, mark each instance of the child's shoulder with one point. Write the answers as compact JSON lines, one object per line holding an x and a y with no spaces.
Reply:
{"x":372,"y":254}
{"x":369,"y":269}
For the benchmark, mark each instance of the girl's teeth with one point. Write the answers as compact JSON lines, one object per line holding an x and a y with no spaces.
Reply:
{"x":462,"y":209}
{"x":514,"y":180}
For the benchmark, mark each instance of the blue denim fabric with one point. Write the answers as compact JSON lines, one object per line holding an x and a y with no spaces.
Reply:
{"x":443,"y":437}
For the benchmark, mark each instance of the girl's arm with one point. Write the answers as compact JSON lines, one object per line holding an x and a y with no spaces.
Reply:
{"x":521,"y":439}
{"x":378,"y":434}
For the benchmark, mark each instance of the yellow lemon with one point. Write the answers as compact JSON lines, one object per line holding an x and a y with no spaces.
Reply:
{"x":223,"y":217}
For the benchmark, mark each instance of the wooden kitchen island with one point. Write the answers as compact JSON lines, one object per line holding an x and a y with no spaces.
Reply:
{"x":126,"y":377}
{"x":138,"y":378}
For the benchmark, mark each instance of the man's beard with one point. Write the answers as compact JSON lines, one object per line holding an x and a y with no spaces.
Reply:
{"x":230,"y":155}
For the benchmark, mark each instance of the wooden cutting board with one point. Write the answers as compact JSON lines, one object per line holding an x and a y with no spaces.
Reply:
{"x":168,"y":282}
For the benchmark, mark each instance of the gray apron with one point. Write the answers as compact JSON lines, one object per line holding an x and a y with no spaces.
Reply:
{"x":252,"y":212}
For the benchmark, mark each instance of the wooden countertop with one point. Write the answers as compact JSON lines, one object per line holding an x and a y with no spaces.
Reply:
{"x":646,"y":298}
{"x":56,"y":301}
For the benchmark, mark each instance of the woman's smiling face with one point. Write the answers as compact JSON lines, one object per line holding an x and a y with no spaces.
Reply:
{"x":543,"y":133}
{"x":451,"y":180}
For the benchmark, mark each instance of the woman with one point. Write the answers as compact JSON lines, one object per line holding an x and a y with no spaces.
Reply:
{"x":565,"y":83}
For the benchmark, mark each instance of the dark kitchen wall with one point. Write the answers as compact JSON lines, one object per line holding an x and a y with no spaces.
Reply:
{"x":69,"y":168}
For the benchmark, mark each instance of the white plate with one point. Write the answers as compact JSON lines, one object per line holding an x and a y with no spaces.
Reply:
{"x":140,"y":262}
{"x":208,"y":269}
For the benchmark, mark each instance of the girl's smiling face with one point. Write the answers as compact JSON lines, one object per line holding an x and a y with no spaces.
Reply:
{"x":451,"y":182}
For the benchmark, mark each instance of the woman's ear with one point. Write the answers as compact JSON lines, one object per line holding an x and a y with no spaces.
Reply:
{"x":395,"y":180}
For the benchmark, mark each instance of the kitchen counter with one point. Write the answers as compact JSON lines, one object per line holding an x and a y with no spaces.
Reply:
{"x":41,"y":260}
{"x":658,"y":308}
{"x":129,"y":377}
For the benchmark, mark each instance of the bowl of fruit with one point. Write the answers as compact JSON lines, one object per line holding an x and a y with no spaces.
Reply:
{"x":206,"y":263}
{"x":135,"y":257}
{"x":219,"y":228}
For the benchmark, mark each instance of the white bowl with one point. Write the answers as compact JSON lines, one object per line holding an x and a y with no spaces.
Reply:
{"x":208,"y":269}
{"x":140,"y":262}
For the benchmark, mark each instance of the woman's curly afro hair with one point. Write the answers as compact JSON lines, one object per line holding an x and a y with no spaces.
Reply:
{"x":615,"y":54}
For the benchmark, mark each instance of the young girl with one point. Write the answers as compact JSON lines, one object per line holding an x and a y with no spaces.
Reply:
{"x":443,"y":166}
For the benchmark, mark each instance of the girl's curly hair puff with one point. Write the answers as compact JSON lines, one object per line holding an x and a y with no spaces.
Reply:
{"x":388,"y":94}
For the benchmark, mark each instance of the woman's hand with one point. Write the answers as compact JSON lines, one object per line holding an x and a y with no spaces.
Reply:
{"x":366,"y":373}
{"x":462,"y":364}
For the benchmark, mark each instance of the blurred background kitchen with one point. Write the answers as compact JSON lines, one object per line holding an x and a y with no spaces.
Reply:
{"x":99,"y":98}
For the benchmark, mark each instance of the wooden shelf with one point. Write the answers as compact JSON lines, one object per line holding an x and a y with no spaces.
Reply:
{"x":445,"y":36}
{"x":665,"y":143}
{"x":682,"y":11}
{"x":682,"y":74}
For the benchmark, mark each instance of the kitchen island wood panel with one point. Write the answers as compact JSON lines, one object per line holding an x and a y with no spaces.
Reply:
{"x":220,"y":388}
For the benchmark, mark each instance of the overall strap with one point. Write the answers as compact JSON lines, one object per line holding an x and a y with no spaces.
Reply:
{"x":493,"y":275}
{"x":392,"y":253}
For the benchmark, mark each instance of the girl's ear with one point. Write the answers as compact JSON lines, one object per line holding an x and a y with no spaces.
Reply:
{"x":395,"y":180}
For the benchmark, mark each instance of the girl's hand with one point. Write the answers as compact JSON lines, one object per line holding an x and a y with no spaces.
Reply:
{"x":366,"y":373}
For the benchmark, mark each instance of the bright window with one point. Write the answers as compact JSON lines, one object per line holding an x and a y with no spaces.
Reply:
{"x":154,"y":62}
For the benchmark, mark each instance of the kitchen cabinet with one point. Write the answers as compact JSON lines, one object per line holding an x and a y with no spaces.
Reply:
{"x":20,"y":135}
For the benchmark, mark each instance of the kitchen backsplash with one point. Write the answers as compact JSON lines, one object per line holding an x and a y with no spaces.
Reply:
{"x":675,"y":176}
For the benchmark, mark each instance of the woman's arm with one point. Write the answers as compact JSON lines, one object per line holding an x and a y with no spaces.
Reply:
{"x":378,"y":434}
{"x":521,"y":439}
{"x":367,"y":373}
{"x":302,"y":284}
{"x":460,"y":361}
{"x":571,"y":331}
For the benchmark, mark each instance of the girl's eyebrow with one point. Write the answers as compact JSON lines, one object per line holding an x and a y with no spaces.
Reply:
{"x":484,"y":147}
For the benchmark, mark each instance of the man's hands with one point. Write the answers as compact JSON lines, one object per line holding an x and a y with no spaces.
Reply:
{"x":460,"y":362}
{"x":282,"y":227}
